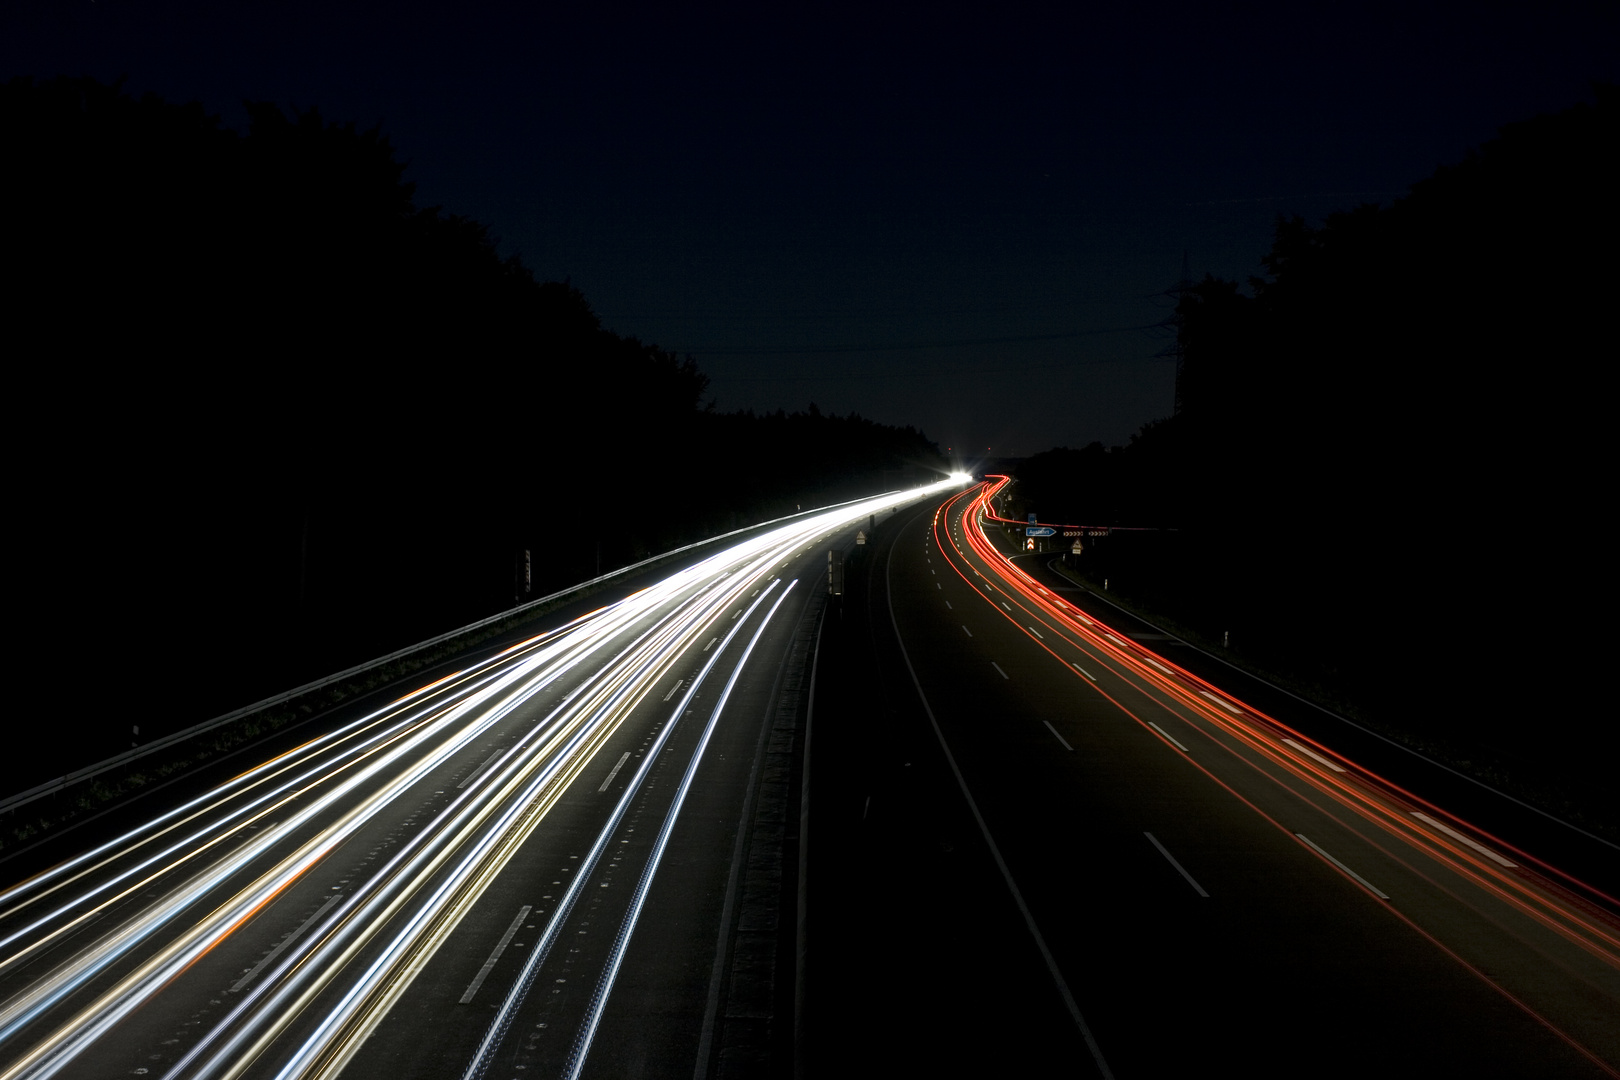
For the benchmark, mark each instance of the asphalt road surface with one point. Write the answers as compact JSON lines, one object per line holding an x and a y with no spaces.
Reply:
{"x":568,"y":858}
{"x":1038,"y":845}
{"x":950,"y":821}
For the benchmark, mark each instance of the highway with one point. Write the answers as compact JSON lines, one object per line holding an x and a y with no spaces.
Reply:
{"x":563,"y":859}
{"x":1089,"y":860}
{"x":1033,"y":844}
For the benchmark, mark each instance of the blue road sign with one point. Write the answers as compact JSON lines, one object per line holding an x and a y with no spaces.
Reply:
{"x":1040,"y":530}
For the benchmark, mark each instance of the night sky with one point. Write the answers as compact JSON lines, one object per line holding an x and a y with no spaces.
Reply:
{"x":956,"y":218}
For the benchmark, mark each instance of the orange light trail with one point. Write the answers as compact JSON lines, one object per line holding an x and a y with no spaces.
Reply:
{"x":1369,"y":797}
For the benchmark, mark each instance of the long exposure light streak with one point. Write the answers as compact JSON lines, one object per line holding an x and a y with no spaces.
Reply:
{"x":325,"y":1033}
{"x":1428,"y":843}
{"x":582,"y":1043}
{"x":1365,"y":794}
{"x":520,"y":988}
{"x":93,"y":940}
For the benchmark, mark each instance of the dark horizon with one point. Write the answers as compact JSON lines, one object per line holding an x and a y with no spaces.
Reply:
{"x":892,"y":216}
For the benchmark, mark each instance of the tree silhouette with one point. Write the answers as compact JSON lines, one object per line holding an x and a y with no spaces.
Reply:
{"x":282,"y":419}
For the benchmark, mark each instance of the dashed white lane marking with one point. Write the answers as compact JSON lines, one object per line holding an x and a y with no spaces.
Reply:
{"x":948,"y":606}
{"x":622,"y":759}
{"x":997,"y":666}
{"x":275,"y":952}
{"x":1179,"y":868}
{"x":1312,"y":753}
{"x":1083,"y":671}
{"x":678,"y":684}
{"x":1060,"y":738}
{"x":1036,"y":632}
{"x":1116,"y":641}
{"x":489,"y":965}
{"x":1455,"y":835}
{"x":1006,"y":605}
{"x":966,"y":631}
{"x":937,"y":585}
{"x":1158,"y":665}
{"x":476,"y":773}
{"x":1169,"y":736}
{"x":710,"y":645}
{"x":1369,"y":886}
{"x":1222,"y":702}
{"x":931,"y":570}
{"x":1083,"y":619}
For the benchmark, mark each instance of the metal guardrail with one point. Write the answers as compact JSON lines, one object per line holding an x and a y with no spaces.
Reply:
{"x":50,"y":787}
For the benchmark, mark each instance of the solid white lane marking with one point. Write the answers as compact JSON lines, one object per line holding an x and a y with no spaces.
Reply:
{"x":622,"y":759}
{"x":966,"y":631}
{"x":1167,"y":735}
{"x":1312,"y":753}
{"x":1158,"y":665}
{"x":1060,"y":738}
{"x":1083,"y":671}
{"x":1222,"y":702}
{"x":489,"y":965}
{"x":948,"y":606}
{"x":1116,"y":641}
{"x":476,"y":773}
{"x":1370,"y":887}
{"x":1036,"y":632}
{"x":1179,"y":868}
{"x":1003,"y":674}
{"x":1455,"y":835}
{"x":275,"y":952}
{"x":710,"y":645}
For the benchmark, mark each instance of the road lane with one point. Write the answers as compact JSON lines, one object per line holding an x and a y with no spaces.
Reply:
{"x":1467,"y":967}
{"x":328,"y":911}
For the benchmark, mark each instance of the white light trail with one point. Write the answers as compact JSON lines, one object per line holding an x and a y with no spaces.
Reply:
{"x":329,"y":791}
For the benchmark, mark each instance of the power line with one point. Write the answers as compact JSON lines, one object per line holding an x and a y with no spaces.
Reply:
{"x":931,"y":373}
{"x":909,"y":346}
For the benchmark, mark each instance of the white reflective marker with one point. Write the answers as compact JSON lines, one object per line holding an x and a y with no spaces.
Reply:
{"x":500,"y":947}
{"x":615,"y":772}
{"x":1312,"y":753}
{"x":1369,"y":886}
{"x":1179,"y":868}
{"x":1222,"y":702}
{"x":1167,"y":735}
{"x":1455,"y":835}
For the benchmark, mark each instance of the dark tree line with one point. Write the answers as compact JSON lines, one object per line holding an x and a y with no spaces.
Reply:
{"x":271,"y":418}
{"x":1388,"y":470}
